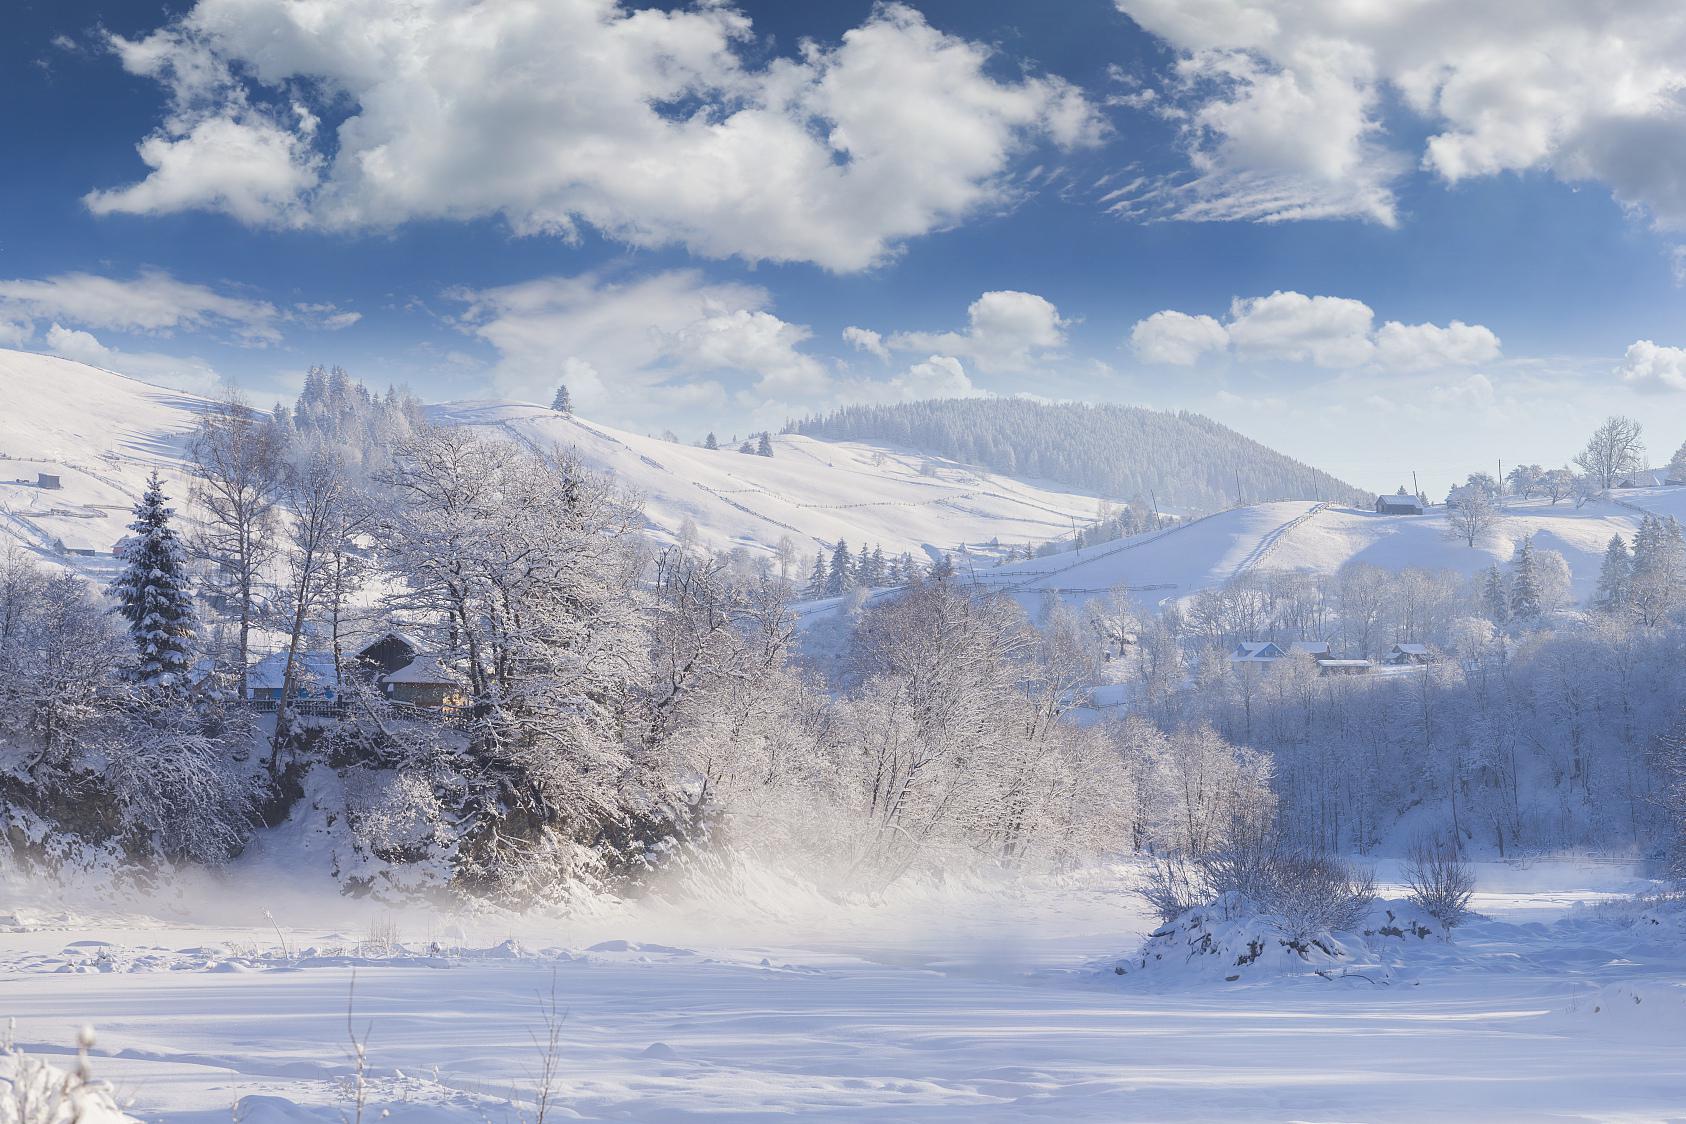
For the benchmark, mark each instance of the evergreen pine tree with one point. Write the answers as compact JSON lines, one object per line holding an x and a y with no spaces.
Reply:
{"x":872,"y":568}
{"x":563,"y":403}
{"x":711,"y":441}
{"x":842,"y":570}
{"x":153,"y":594}
{"x":1494,"y":598}
{"x":764,"y":447}
{"x":943,"y":568}
{"x":1524,"y":586}
{"x":819,"y":578}
{"x":906,"y":571}
{"x":1615,"y":578}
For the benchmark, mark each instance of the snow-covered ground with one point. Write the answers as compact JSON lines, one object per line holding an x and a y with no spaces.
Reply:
{"x":812,"y":492}
{"x":978,"y":1001}
{"x":101,"y":433}
{"x":1320,"y":538}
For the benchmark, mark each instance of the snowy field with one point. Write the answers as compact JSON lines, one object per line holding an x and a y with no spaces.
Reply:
{"x":979,"y":1002}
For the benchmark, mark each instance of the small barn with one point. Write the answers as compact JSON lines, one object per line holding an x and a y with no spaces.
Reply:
{"x":1316,"y":649}
{"x":1408,"y":655}
{"x":1399,"y":504}
{"x":1344,"y":667}
{"x":386,"y":654}
{"x":1647,"y":478}
{"x":317,"y":680}
{"x":47,"y":480}
{"x":424,"y":682}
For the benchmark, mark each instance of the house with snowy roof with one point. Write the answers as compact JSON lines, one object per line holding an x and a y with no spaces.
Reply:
{"x":1401,"y":503}
{"x":1257,"y":651}
{"x":315,"y":678}
{"x":403,"y":670}
{"x":1408,"y":655}
{"x":425,"y":682}
{"x":1648,"y":478}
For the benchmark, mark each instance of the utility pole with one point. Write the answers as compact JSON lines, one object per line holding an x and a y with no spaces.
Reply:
{"x":1414,"y":488}
{"x":1238,"y":487}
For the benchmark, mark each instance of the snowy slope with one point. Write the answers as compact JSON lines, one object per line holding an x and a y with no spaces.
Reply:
{"x":101,"y":433}
{"x":1321,"y":538}
{"x":815,"y":492}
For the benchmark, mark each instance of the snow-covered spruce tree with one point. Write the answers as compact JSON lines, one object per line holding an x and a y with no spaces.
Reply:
{"x":1524,"y":588}
{"x":841,"y":578}
{"x":1495,"y":597}
{"x":711,"y":441}
{"x":1615,"y":579}
{"x":819,"y":578}
{"x":154,"y":595}
{"x":1658,"y":585}
{"x":764,"y":444}
{"x":563,"y":403}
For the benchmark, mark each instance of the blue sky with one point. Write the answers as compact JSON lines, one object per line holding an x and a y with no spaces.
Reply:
{"x":1421,"y":238}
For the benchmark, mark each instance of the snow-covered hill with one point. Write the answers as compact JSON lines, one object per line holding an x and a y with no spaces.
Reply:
{"x":1321,"y":538}
{"x":810,"y":491}
{"x":100,"y":434}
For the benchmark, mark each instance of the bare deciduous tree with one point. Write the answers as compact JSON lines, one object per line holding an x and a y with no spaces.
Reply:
{"x":1615,"y":449}
{"x":237,"y":478}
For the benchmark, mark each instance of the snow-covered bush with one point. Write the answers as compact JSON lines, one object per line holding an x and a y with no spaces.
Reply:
{"x":174,"y":783}
{"x":1441,"y":884}
{"x":1306,"y":891}
{"x":36,"y":1092}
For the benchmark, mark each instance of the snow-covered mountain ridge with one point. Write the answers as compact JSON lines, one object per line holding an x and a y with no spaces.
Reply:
{"x":100,"y":434}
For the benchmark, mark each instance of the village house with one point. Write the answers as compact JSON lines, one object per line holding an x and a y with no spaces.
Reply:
{"x":395,"y":665}
{"x":1401,"y":503}
{"x":1256,"y":652}
{"x":1408,"y":655}
{"x":402,"y":669}
{"x":317,"y":681}
{"x":1648,"y":478}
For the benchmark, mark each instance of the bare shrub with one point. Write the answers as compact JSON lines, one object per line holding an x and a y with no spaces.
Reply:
{"x":1309,"y":890}
{"x":1441,"y":884}
{"x":1173,"y":886}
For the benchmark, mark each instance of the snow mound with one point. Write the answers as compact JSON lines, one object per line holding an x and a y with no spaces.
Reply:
{"x":1233,"y":940}
{"x":33,"y":1091}
{"x":1645,"y":1007}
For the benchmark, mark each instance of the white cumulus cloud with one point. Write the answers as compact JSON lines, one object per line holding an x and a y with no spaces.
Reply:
{"x":1331,"y":332}
{"x":1005,"y":331}
{"x":639,"y":350}
{"x":655,"y":127}
{"x":1652,"y":367}
{"x":1284,"y":107}
{"x":1177,"y":338}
